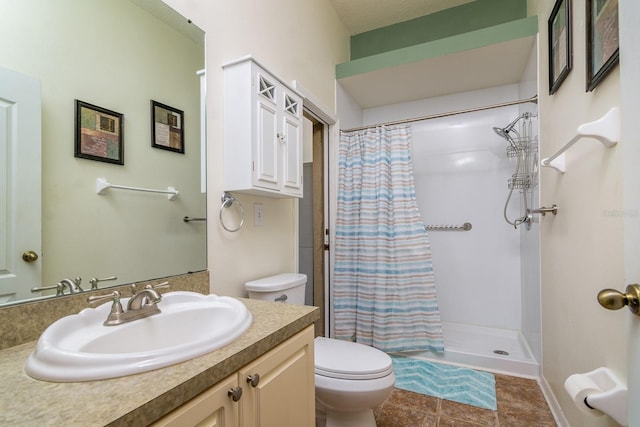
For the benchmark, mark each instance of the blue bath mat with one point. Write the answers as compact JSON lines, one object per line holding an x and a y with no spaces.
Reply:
{"x":447,"y":382}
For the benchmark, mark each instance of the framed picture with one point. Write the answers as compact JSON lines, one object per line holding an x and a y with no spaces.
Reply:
{"x":560,"y":50}
{"x":602,"y":40}
{"x":99,"y":134}
{"x":167,"y":127}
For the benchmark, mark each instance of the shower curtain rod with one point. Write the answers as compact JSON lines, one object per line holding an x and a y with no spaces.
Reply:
{"x":533,"y":99}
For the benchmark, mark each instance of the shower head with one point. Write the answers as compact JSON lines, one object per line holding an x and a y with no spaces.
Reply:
{"x":503,"y":132}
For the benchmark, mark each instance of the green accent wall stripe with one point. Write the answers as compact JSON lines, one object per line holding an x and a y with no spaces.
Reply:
{"x":472,"y":40}
{"x":446,"y":23}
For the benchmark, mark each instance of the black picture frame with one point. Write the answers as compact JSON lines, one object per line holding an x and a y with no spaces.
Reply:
{"x":99,"y":133}
{"x":560,"y":44}
{"x":602,"y":40}
{"x":167,"y":127}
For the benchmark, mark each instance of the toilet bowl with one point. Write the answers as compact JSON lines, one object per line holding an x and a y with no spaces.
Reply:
{"x":351,"y":379}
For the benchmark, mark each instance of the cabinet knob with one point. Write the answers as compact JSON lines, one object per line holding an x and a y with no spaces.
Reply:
{"x":254,"y":380}
{"x":235,"y":393}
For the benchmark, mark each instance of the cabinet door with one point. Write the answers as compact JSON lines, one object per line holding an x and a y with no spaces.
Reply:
{"x":284,"y":396}
{"x":267,"y":136}
{"x":292,"y":162}
{"x":212,"y":408}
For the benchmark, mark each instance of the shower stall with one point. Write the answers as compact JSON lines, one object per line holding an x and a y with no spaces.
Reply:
{"x":469,"y":179}
{"x":466,"y":174}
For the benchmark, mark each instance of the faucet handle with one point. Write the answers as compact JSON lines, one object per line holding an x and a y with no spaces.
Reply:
{"x":77,"y":282}
{"x":94,"y":281}
{"x":57,"y":287}
{"x":116,"y":313}
{"x":158,"y":285}
{"x":115,"y":296}
{"x":134,"y":288}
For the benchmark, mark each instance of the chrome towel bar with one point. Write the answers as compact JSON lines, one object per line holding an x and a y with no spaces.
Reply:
{"x":464,"y":227}
{"x":189,"y":219}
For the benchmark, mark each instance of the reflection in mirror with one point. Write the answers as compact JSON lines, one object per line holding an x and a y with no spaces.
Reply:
{"x":118,"y":55}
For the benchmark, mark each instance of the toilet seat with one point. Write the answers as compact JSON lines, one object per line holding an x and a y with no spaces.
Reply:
{"x":349,"y":361}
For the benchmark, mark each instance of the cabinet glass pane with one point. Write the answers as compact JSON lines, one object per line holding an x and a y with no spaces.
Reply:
{"x":267,"y":89}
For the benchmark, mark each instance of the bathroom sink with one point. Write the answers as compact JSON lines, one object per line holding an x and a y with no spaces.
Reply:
{"x":80,"y":348}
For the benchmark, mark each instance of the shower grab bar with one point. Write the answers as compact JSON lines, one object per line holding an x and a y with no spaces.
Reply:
{"x":102,"y":185}
{"x":464,"y":227}
{"x":606,"y":130}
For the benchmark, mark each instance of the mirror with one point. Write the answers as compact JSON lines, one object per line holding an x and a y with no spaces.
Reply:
{"x":118,"y":55}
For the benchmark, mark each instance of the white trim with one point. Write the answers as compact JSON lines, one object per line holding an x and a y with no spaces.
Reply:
{"x":331,"y":135}
{"x":314,"y":106}
{"x":554,"y":406}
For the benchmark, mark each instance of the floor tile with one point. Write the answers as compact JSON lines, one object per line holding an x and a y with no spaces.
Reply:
{"x":520,"y":404}
{"x":470,"y":414}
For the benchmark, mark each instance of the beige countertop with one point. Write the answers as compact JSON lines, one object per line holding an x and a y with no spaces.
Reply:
{"x":140,"y":399}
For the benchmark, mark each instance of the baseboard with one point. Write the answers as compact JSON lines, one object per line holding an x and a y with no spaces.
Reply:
{"x":554,"y":406}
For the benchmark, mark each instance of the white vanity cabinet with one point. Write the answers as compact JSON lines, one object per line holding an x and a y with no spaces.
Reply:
{"x":262,"y":132}
{"x":278,"y":390}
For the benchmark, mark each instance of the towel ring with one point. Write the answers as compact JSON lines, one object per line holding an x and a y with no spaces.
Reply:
{"x":227,"y":201}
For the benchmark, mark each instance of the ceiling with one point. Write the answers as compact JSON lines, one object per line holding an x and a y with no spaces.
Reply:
{"x":364,"y":15}
{"x":490,"y":66}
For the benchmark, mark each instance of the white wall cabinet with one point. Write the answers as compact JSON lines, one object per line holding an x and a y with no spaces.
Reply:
{"x":278,"y":390}
{"x":262,"y":132}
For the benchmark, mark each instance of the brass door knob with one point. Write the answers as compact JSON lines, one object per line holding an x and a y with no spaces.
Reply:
{"x":29,"y":256}
{"x":612,"y":299}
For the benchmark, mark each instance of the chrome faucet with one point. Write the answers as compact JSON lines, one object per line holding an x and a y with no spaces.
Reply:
{"x":72,"y":285}
{"x":148,"y":297}
{"x":142,"y":304}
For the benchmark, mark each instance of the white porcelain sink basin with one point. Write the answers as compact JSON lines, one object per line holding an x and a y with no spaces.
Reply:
{"x":80,"y":348}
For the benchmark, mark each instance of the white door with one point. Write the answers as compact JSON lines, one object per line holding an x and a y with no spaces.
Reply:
{"x":20,"y":182}
{"x":629,"y":11}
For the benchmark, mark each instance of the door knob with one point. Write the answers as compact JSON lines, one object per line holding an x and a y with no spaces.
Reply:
{"x":29,"y":256}
{"x":612,"y":299}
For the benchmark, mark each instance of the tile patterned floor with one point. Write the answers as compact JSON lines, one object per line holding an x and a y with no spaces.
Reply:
{"x":520,"y":404}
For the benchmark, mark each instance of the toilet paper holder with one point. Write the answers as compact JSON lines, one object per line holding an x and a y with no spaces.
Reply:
{"x":599,"y":392}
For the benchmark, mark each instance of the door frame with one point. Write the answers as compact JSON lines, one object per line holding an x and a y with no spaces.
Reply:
{"x":329,"y":135}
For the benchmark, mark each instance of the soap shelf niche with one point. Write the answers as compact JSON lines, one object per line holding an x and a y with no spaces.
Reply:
{"x":102,"y":187}
{"x":606,"y":130}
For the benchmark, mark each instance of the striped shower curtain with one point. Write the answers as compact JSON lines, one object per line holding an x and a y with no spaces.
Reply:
{"x":383,"y":290}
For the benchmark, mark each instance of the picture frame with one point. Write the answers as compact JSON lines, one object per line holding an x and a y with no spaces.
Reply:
{"x":560,"y":44}
{"x":602,"y":40}
{"x":167,"y":127}
{"x":99,"y":133}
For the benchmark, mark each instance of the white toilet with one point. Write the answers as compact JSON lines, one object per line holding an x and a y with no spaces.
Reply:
{"x":351,"y":379}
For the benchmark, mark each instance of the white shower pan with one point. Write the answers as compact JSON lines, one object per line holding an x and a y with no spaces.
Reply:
{"x":483,"y":348}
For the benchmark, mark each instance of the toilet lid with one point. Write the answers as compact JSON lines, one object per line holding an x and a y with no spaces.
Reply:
{"x":349,"y":360}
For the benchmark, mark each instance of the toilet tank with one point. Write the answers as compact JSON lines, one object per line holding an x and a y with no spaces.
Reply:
{"x":287,"y":287}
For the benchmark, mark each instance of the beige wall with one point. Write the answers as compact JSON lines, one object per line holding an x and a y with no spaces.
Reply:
{"x":297,"y":40}
{"x":582,"y":247}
